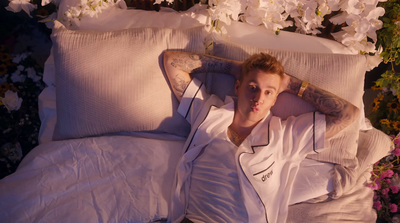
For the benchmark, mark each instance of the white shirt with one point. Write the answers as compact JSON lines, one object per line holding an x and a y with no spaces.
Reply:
{"x":214,"y":184}
{"x":267,"y":161}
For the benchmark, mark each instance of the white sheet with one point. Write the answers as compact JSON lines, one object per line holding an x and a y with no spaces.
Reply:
{"x":103,"y":179}
{"x":120,"y":178}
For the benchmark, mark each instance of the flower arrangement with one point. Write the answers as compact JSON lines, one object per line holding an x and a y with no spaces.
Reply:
{"x":20,"y":85}
{"x":358,"y":21}
{"x":385,"y":182}
{"x":385,"y":116}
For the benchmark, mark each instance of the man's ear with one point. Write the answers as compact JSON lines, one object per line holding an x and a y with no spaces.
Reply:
{"x":237,"y":85}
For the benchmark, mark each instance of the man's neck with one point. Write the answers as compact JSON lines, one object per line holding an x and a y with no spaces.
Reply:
{"x":242,"y":127}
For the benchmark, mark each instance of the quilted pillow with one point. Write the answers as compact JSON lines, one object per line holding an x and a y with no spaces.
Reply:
{"x":113,"y":82}
{"x":340,"y":74}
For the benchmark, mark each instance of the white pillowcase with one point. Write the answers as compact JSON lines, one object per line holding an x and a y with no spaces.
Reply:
{"x":110,"y":19}
{"x":340,"y":74}
{"x":109,"y":82}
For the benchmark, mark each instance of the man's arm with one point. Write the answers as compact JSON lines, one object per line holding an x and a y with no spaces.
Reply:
{"x":339,"y":112}
{"x":179,"y":65}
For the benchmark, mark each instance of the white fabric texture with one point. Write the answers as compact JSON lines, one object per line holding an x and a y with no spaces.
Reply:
{"x":214,"y":194}
{"x":314,"y":177}
{"x":342,"y":75}
{"x":110,"y":19}
{"x":100,"y":179}
{"x":259,"y":36}
{"x":122,"y":87}
{"x":352,"y":199}
{"x":267,"y":161}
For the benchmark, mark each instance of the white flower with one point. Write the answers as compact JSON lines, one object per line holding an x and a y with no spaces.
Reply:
{"x":339,"y":18}
{"x":269,"y":13}
{"x":361,"y":18}
{"x":49,"y":20}
{"x":18,"y":5}
{"x":18,"y":58}
{"x":56,"y":2}
{"x":121,"y":4}
{"x":160,"y":1}
{"x":225,"y":10}
{"x":32,"y":74}
{"x":375,"y":60}
{"x":309,"y":20}
{"x":374,"y":22}
{"x":11,"y":100}
{"x":17,"y":76}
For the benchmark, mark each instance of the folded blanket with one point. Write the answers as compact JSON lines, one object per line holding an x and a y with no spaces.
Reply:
{"x":354,"y":206}
{"x":351,"y":199}
{"x":373,"y":145}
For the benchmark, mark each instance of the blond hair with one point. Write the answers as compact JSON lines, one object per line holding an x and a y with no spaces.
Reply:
{"x":264,"y":62}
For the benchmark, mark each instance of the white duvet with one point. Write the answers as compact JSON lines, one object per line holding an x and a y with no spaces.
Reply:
{"x":124,"y":178}
{"x":102,"y":179}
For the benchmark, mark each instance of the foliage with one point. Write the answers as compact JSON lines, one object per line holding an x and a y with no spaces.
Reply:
{"x":20,"y":85}
{"x":385,"y":182}
{"x":385,"y":116}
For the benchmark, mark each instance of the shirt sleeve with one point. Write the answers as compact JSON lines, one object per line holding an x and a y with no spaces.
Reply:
{"x":193,"y":100}
{"x":306,"y":133}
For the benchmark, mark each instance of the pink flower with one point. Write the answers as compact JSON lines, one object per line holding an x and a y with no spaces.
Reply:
{"x":377,"y":205}
{"x":397,"y":140}
{"x":396,"y":152}
{"x":388,"y":173}
{"x":393,"y":208}
{"x":395,"y":181}
{"x":394,"y":189}
{"x":374,"y":185}
{"x":385,"y":192}
{"x":376,"y":196}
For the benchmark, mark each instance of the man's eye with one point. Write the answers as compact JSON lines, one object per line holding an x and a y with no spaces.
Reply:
{"x":252,"y":87}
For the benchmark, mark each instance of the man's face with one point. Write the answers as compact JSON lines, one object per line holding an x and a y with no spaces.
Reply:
{"x":257,"y":93}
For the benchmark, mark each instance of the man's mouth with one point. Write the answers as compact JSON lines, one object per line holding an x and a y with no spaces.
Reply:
{"x":254,"y":108}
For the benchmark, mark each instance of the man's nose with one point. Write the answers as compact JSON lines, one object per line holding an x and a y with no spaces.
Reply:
{"x":258,"y":97}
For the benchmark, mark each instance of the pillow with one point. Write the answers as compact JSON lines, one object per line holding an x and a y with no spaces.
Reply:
{"x":258,"y":36}
{"x":337,"y":73}
{"x":110,"y":19}
{"x":110,"y":82}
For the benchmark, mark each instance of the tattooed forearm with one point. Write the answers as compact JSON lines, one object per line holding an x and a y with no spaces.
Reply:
{"x":195,"y":63}
{"x":180,"y":65}
{"x":322,"y":100}
{"x":339,"y":112}
{"x":179,"y":85}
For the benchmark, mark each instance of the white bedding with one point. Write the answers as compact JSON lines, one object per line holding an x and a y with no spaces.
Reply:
{"x":102,"y":179}
{"x":116,"y":178}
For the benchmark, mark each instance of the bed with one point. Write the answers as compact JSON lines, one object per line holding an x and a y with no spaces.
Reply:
{"x":111,"y":138}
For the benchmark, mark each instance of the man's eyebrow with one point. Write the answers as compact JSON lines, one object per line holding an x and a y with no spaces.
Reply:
{"x":256,"y":83}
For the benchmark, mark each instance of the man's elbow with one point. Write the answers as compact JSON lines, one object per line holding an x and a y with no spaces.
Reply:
{"x":336,"y":124}
{"x":355,"y":114}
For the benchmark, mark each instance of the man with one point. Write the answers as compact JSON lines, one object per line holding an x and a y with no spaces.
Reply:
{"x":240,"y":160}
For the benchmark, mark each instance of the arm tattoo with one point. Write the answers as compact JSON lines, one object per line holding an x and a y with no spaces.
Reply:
{"x":339,"y":112}
{"x":179,"y":85}
{"x":195,"y":63}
